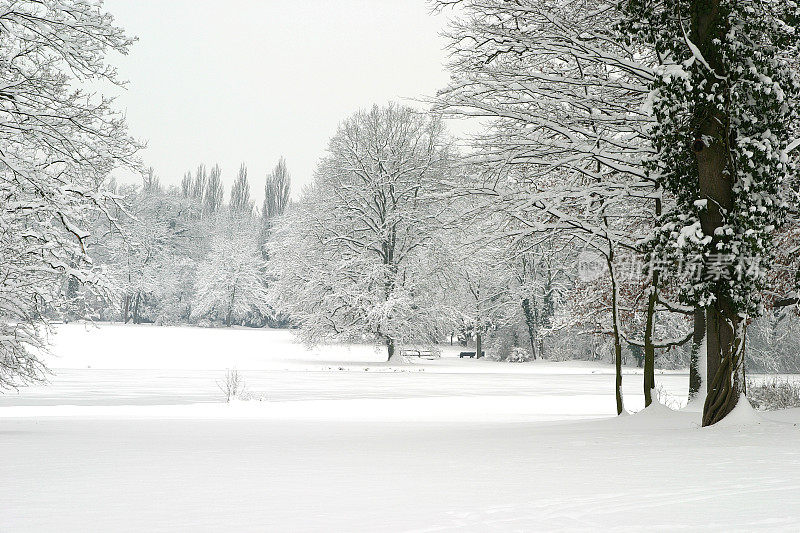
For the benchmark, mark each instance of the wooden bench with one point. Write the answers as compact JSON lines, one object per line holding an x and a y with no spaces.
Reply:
{"x":471,"y":354}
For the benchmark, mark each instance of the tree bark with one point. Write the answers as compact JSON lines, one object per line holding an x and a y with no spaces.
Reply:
{"x":389,"y":348}
{"x":136,"y":308}
{"x":548,"y":310}
{"x":649,"y":331}
{"x":530,"y":323}
{"x":229,"y":316}
{"x":712,"y":150}
{"x":728,"y":381}
{"x":126,"y":309}
{"x":478,"y":345}
{"x":649,"y":347}
{"x":615,"y":329}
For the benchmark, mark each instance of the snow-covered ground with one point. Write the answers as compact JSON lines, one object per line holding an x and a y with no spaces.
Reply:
{"x":132,"y":435}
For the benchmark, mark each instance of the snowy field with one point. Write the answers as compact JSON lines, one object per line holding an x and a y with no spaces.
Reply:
{"x":132,"y":435}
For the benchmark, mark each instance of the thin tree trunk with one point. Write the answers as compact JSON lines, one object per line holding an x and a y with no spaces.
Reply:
{"x":136,"y":308}
{"x":649,"y":347}
{"x":126,"y":309}
{"x":649,"y":331}
{"x":230,"y":309}
{"x":530,"y":323}
{"x":615,"y":329}
{"x":744,"y":358}
{"x":478,"y":345}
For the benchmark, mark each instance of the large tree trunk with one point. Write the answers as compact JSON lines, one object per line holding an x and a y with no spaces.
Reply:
{"x":389,"y":349}
{"x":724,"y":361}
{"x":727,"y":385}
{"x":716,"y":186}
{"x":478,"y":345}
{"x":696,"y":357}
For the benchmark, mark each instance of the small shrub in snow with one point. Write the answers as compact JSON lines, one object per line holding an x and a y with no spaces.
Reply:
{"x":665,"y":398}
{"x":498,"y":346}
{"x":519,"y":355}
{"x":232,"y":386}
{"x":773,"y":394}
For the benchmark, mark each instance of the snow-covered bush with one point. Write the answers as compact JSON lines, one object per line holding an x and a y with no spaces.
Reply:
{"x":665,"y":398}
{"x":519,"y":355}
{"x":498,"y":345}
{"x":773,"y":394}
{"x":566,"y":345}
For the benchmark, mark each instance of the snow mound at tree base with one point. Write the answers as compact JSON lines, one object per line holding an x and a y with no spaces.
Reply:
{"x":655,"y":417}
{"x":742,"y":415}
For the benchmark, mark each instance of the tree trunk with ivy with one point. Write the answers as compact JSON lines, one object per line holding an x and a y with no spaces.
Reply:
{"x":721,"y":99}
{"x":713,"y":155}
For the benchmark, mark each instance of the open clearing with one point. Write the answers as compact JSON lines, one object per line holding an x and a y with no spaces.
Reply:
{"x":141,"y":441}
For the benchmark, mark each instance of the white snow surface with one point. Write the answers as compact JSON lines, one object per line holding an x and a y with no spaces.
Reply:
{"x":141,"y":441}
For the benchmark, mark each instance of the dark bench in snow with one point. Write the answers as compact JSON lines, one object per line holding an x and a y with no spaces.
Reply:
{"x":420,"y":353}
{"x":470,"y":354}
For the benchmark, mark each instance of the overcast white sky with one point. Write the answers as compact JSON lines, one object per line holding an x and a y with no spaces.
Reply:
{"x":248,"y":81}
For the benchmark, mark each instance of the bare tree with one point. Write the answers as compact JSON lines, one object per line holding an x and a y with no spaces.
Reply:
{"x":354,"y":257}
{"x":568,"y":132}
{"x":230,"y":282}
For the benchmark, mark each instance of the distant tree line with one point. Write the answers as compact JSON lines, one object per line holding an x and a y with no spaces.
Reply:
{"x":184,"y":255}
